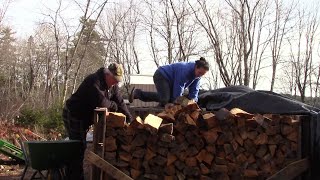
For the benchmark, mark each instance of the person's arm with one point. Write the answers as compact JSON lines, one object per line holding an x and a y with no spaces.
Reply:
{"x":178,"y":85}
{"x":101,"y":99}
{"x":117,"y":97}
{"x":194,"y":89}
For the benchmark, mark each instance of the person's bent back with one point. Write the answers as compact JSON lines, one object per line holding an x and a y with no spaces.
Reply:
{"x":171,"y":81}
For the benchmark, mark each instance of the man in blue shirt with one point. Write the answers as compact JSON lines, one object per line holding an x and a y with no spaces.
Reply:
{"x":171,"y":81}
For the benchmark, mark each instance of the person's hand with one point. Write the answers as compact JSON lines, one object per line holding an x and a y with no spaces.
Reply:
{"x":113,"y":106}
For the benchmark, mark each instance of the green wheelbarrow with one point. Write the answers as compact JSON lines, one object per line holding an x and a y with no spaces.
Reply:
{"x":51,"y":156}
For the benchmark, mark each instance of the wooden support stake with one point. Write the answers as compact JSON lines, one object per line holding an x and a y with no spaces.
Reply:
{"x":106,"y":167}
{"x":292,"y":170}
{"x":99,"y":130}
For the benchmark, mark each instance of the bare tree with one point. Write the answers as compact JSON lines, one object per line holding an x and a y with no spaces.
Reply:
{"x":3,"y":9}
{"x":186,"y":30}
{"x":261,"y":44}
{"x":150,"y":28}
{"x":302,"y":56}
{"x":214,"y":39}
{"x":237,"y":38}
{"x":279,"y":30}
{"x":245,"y":19}
{"x":119,"y":30}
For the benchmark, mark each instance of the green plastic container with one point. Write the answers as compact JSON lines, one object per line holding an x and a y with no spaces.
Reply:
{"x":43,"y":155}
{"x":11,"y":150}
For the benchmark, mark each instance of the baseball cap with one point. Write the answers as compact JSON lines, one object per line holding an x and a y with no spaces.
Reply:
{"x":117,"y":71}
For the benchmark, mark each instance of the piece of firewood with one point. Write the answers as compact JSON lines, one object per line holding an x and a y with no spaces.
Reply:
{"x":110,"y":155}
{"x":210,"y":136}
{"x":250,"y":146}
{"x":241,"y":122}
{"x":135,"y":163}
{"x":221,"y":161}
{"x":225,"y":137}
{"x":160,"y":160}
{"x":167,"y":138}
{"x":139,"y":140}
{"x":251,"y":159}
{"x":149,"y":154}
{"x":210,"y":120}
{"x":201,"y":155}
{"x":252,"y":135}
{"x":272,"y":130}
{"x":191,"y":161}
{"x":126,"y":148}
{"x":220,"y":168}
{"x":260,"y":119}
{"x":238,"y":139}
{"x":139,"y":153}
{"x":204,"y":169}
{"x":125,"y":156}
{"x":166,"y":128}
{"x":234,"y":144}
{"x":195,"y":115}
{"x":262,"y":150}
{"x":211,"y":148}
{"x":208,"y":158}
{"x":180,"y":175}
{"x":166,"y":116}
{"x":251,"y":173}
{"x":168,"y":177}
{"x":151,"y":176}
{"x":182,"y":156}
{"x":261,"y":139}
{"x":272,"y":149}
{"x":110,"y":144}
{"x":189,"y":120}
{"x":293,"y":136}
{"x":191,"y":171}
{"x":286,"y":129}
{"x":240,"y":113}
{"x":137,"y":123}
{"x":223,"y":114}
{"x":152,"y":123}
{"x":135,"y":173}
{"x":115,"y":119}
{"x":243,"y":134}
{"x":170,"y":170}
{"x":241,"y":158}
{"x":162,"y":151}
{"x":202,"y":177}
{"x":121,"y":164}
{"x":228,"y":148}
{"x":192,"y":151}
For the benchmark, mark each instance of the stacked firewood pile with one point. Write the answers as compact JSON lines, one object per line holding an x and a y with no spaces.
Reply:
{"x":183,"y":142}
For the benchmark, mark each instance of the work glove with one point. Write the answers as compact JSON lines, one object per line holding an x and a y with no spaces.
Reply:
{"x":113,"y":106}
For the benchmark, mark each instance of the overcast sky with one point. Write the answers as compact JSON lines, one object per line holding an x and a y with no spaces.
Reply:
{"x":24,"y":15}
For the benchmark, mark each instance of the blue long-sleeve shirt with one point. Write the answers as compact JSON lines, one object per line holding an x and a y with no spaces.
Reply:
{"x":181,"y":76}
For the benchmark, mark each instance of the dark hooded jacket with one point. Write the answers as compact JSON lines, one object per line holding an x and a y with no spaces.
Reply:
{"x":93,"y":92}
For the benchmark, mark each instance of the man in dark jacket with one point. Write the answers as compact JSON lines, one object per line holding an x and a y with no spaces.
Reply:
{"x":99,"y":89}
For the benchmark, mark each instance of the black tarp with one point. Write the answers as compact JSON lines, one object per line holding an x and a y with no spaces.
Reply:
{"x":266,"y":102}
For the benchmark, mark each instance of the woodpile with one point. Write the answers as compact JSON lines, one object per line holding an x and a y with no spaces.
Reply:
{"x":183,"y":142}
